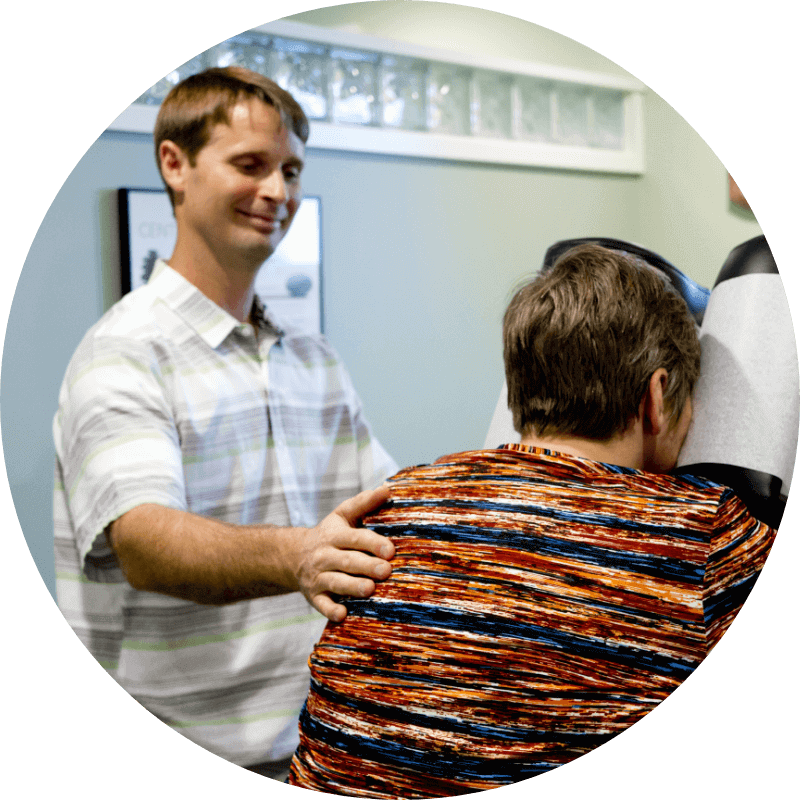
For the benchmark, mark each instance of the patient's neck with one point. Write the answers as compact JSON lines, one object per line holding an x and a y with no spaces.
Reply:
{"x":623,"y":449}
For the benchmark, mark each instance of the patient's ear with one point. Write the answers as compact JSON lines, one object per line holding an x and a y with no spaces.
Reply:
{"x":655,"y":417}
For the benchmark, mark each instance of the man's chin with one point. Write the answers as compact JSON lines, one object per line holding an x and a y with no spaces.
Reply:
{"x":262,"y":247}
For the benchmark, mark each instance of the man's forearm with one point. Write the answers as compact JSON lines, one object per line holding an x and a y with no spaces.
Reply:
{"x":195,"y":558}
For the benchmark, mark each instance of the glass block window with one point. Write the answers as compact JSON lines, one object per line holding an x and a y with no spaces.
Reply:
{"x":402,"y":85}
{"x":354,"y":87}
{"x":607,"y":119}
{"x":302,"y":69}
{"x":532,"y":116}
{"x":449,"y":99}
{"x":490,"y":109}
{"x":251,"y":51}
{"x":535,"y":115}
{"x":572,"y":115}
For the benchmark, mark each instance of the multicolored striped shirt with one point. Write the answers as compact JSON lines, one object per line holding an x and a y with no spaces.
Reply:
{"x":539,"y":605}
{"x":170,"y":400}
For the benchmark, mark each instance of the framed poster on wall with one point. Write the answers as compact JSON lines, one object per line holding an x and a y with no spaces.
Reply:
{"x":289,"y":283}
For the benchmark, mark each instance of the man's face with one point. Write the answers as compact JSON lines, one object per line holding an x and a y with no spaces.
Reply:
{"x":243,"y":191}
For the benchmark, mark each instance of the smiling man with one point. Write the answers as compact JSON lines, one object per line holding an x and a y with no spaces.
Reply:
{"x":234,"y":199}
{"x":213,"y":464}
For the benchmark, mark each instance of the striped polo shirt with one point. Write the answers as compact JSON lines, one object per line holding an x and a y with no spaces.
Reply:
{"x":539,"y":605}
{"x":170,"y":400}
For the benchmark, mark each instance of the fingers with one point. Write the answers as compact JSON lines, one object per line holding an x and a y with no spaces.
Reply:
{"x":340,"y":586}
{"x":344,"y":573}
{"x":350,"y":537}
{"x":349,"y":556}
{"x":357,"y":507}
{"x":353,"y":553}
{"x":353,"y":546}
{"x":341,"y":560}
{"x":335,"y":612}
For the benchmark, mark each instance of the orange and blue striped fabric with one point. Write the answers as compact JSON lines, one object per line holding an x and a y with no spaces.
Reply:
{"x":539,"y":604}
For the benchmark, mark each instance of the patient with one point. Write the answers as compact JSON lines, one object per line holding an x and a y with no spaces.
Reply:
{"x":544,"y":595}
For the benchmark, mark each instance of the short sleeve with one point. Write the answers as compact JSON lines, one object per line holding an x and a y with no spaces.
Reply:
{"x":739,"y":547}
{"x":116,"y":442}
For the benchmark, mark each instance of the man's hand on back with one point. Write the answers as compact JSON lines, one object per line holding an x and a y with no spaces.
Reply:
{"x":336,"y":558}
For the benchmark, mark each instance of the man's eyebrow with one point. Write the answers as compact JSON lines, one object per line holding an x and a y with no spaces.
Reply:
{"x":292,"y":161}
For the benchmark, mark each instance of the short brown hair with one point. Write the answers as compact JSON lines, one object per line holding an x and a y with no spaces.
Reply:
{"x":582,"y":340}
{"x":197,"y":104}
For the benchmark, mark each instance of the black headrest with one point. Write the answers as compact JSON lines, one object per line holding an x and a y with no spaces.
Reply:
{"x":696,"y":296}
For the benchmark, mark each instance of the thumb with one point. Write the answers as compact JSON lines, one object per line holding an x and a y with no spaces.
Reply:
{"x":357,"y":507}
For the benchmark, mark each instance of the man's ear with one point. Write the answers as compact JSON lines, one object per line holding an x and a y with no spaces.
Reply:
{"x":655,"y":416}
{"x":174,"y":165}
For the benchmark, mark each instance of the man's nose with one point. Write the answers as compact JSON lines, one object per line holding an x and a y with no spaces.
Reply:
{"x":273,"y":186}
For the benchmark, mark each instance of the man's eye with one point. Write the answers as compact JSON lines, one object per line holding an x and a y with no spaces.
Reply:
{"x":291,"y":174}
{"x":248,"y":166}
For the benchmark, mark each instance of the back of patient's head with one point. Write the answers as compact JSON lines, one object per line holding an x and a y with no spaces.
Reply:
{"x":582,"y":340}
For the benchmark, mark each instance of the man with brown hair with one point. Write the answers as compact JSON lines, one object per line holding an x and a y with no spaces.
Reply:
{"x":212,"y":461}
{"x":544,"y":595}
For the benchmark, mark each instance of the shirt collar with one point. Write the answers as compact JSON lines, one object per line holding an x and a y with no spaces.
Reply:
{"x":518,"y":447}
{"x":212,"y":323}
{"x":263,"y":318}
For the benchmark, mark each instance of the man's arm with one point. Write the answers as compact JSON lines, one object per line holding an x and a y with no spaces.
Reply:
{"x":194,"y":558}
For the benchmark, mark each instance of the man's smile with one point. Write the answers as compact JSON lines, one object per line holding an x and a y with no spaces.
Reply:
{"x":263,"y":221}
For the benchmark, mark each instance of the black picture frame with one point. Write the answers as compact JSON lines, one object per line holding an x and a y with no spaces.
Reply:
{"x":290,"y":284}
